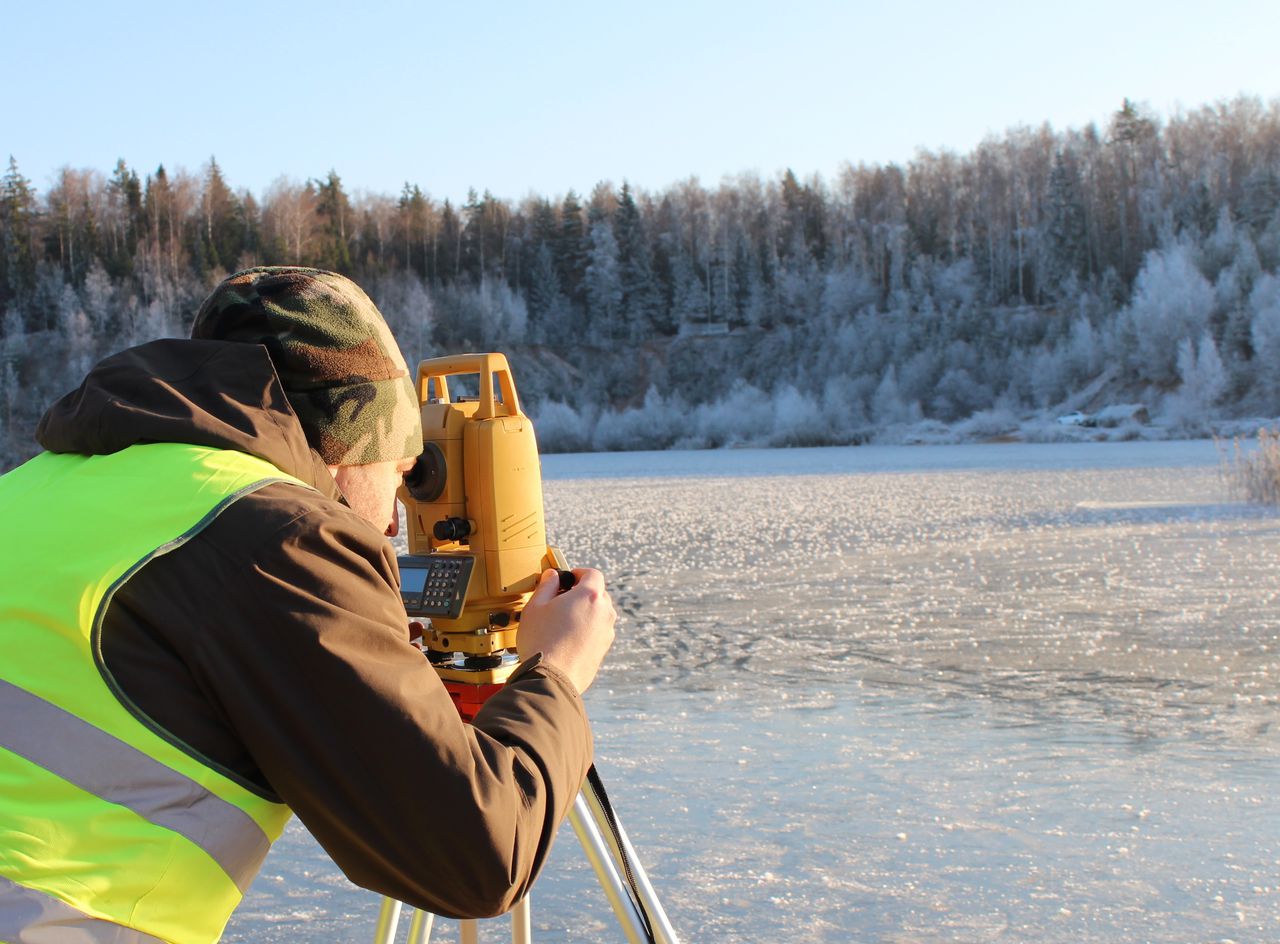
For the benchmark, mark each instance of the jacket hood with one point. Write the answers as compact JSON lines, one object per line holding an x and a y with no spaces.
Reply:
{"x":220,"y":394}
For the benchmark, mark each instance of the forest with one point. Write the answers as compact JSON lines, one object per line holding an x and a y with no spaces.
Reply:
{"x":975,"y":295}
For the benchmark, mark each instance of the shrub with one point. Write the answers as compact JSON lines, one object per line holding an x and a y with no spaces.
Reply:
{"x":1254,"y":474}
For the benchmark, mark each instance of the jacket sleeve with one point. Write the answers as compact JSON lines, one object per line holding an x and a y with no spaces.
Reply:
{"x":313,"y":667}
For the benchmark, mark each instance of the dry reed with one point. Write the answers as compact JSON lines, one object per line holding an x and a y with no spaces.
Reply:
{"x":1253,"y":474}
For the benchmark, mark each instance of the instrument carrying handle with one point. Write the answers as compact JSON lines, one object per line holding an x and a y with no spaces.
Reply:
{"x":488,"y":366}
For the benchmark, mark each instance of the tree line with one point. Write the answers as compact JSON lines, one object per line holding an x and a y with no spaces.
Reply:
{"x":949,"y":285}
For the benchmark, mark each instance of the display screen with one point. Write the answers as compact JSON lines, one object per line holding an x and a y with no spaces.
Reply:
{"x":412,"y":580}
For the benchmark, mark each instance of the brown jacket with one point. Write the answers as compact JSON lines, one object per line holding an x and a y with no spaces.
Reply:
{"x":274,"y":646}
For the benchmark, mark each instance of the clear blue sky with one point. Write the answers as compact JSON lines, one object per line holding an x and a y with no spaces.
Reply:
{"x":544,"y":97}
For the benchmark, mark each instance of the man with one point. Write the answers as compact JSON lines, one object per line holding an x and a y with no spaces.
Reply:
{"x":201,"y":630}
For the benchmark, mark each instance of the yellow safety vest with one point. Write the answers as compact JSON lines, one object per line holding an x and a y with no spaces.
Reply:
{"x":110,"y":830}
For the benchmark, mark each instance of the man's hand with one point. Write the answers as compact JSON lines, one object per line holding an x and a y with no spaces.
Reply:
{"x":573,"y":630}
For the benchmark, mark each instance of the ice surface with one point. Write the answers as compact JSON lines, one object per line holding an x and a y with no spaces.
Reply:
{"x":1000,"y":693}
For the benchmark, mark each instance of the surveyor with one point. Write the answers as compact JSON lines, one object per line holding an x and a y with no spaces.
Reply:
{"x":201,"y":630}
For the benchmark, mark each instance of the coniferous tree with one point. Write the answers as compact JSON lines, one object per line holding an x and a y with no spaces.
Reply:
{"x":220,"y":240}
{"x":571,"y":248}
{"x":249,"y":222}
{"x":473,"y":237}
{"x":641,"y":298}
{"x":484,"y":239}
{"x":333,"y":209}
{"x":1067,"y":242}
{"x":451,"y":242}
{"x":17,"y":236}
{"x":548,"y":308}
{"x":154,"y":206}
{"x":803,"y":226}
{"x":418,"y":239}
{"x":124,"y":221}
{"x":1131,"y":137}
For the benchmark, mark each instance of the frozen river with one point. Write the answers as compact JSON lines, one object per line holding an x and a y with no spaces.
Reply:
{"x":1021,"y":693}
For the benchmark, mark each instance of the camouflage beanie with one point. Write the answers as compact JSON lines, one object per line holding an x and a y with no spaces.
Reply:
{"x":340,"y":367}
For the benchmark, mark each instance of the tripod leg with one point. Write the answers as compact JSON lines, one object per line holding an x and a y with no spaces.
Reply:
{"x":388,"y":921}
{"x":663,"y":932}
{"x":521,"y":929}
{"x":598,"y":855}
{"x":591,"y":825}
{"x":420,"y":927}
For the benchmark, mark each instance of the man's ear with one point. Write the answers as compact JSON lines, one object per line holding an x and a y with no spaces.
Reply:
{"x":334,"y":470}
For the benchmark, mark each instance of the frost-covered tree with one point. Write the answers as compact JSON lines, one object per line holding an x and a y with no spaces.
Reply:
{"x":562,"y":428}
{"x":689,"y":304}
{"x":1049,"y":379}
{"x":798,"y":419}
{"x":1172,"y":301}
{"x":549,"y":313}
{"x":509,"y":315}
{"x":98,"y":300}
{"x":603,"y":284}
{"x":1265,"y":335}
{"x":76,"y":330}
{"x":655,"y":424}
{"x":1067,"y":243}
{"x":1084,"y":353}
{"x":1203,"y":378}
{"x":887,"y":407}
{"x":745,"y":414}
{"x":403,"y":299}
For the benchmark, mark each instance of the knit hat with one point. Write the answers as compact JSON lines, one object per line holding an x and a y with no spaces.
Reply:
{"x":341,"y":369}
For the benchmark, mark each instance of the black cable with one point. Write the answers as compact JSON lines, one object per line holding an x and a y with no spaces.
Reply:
{"x":633,"y":890}
{"x":567,"y":580}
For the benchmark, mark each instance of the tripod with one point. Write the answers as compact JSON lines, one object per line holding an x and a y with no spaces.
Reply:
{"x":610,"y":854}
{"x":477,"y":542}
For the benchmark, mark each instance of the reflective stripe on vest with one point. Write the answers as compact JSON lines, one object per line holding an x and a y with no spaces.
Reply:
{"x":108,"y":768}
{"x":45,"y":920}
{"x":109,"y":824}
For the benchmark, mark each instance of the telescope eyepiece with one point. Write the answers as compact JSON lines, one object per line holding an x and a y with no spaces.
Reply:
{"x":425,"y":481}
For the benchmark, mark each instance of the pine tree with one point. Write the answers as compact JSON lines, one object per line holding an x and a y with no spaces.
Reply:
{"x":641,"y":300}
{"x":249,"y":223}
{"x":221,"y":238}
{"x":164,"y":221}
{"x":473,"y":243}
{"x":1068,"y":247}
{"x":336,"y":224}
{"x":416,"y":242}
{"x":124,"y":221}
{"x":547,"y":304}
{"x":484,"y":238}
{"x":803,"y":225}
{"x":451,"y":241}
{"x":571,"y":249}
{"x":17,"y":236}
{"x":1131,"y":134}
